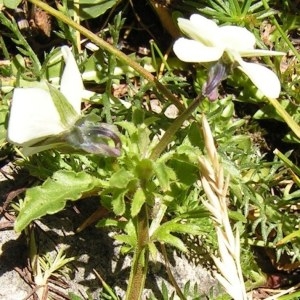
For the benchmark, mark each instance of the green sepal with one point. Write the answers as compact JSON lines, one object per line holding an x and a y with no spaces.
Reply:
{"x":66,"y":111}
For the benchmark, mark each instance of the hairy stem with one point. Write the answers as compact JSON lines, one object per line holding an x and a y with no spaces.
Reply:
{"x":140,"y":259}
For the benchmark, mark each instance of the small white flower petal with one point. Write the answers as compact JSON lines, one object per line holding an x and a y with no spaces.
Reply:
{"x":263,"y":78}
{"x":71,"y":82}
{"x":201,"y":29}
{"x":33,"y":116}
{"x":237,"y":38}
{"x":193,"y":51}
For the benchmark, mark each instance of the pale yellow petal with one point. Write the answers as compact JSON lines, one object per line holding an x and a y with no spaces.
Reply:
{"x":193,"y":51}
{"x":71,"y":81}
{"x":263,"y":78}
{"x":200,"y":29}
{"x":237,"y":38}
{"x":33,"y":116}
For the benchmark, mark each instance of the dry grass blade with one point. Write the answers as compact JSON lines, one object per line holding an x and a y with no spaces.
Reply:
{"x":215,"y":186}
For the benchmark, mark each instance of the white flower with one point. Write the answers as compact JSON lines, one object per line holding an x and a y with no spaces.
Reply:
{"x":33,"y":114}
{"x":43,"y":117}
{"x":209,"y":43}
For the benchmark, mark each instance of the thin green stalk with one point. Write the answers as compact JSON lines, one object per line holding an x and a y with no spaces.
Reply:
{"x":106,"y":287}
{"x":140,"y":259}
{"x":279,"y":109}
{"x":106,"y":46}
{"x":285,"y":116}
{"x":288,"y":163}
{"x":170,"y":275}
{"x":171,"y":131}
{"x":282,"y":33}
{"x":21,"y":41}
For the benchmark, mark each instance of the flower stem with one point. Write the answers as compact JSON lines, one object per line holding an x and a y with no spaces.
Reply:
{"x":279,"y":109}
{"x":114,"y":51}
{"x":141,"y":256}
{"x":171,"y":131}
{"x":285,"y":116}
{"x":283,"y":35}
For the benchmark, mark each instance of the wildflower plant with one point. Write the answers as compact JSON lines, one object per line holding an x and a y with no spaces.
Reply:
{"x":81,"y":137}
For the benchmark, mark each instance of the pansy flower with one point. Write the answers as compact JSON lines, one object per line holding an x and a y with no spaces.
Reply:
{"x":211,"y":43}
{"x":43,"y":117}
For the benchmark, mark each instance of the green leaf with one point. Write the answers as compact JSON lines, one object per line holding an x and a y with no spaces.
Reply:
{"x":13,"y":4}
{"x":163,"y":233}
{"x":164,"y":174}
{"x":126,"y":239}
{"x":95,"y":68}
{"x":51,"y":197}
{"x":165,"y":291}
{"x":74,"y":296}
{"x":128,"y":126}
{"x":110,"y":223}
{"x":172,"y":240}
{"x":130,"y":238}
{"x":294,"y":295}
{"x":139,"y":138}
{"x":237,"y":216}
{"x":118,"y":202}
{"x":92,"y":9}
{"x":3,"y":116}
{"x":289,"y":238}
{"x":138,"y":200}
{"x":120,"y":179}
{"x":186,"y":173}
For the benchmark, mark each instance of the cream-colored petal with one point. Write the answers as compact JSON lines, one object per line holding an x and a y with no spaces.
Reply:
{"x":259,"y":52}
{"x":71,"y":82}
{"x":193,"y":51}
{"x":263,"y":78}
{"x":237,"y":38}
{"x":200,"y":29}
{"x":33,"y":117}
